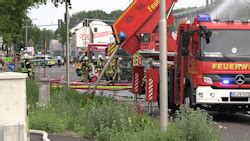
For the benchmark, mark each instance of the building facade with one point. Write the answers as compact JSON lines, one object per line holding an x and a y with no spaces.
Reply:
{"x":87,"y":32}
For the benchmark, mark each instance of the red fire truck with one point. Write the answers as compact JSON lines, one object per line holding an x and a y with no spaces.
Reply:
{"x":208,"y":62}
{"x":95,"y":50}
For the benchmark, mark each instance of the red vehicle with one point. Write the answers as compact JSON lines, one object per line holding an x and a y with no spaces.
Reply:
{"x":96,"y":50}
{"x":208,"y":62}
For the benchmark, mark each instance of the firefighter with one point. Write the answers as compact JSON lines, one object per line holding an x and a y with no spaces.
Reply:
{"x":26,"y":66}
{"x":85,"y":68}
{"x":109,"y":73}
{"x":94,"y":61}
{"x":118,"y":71}
{"x":99,"y":64}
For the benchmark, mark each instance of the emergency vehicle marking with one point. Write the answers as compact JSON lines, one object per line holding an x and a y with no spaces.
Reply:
{"x":136,"y":82}
{"x":110,"y":49}
{"x":220,"y":66}
{"x":102,"y":34}
{"x":153,"y":6}
{"x":150,"y":89}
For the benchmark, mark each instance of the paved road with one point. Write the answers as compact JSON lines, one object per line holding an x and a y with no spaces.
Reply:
{"x":56,"y":72}
{"x":34,"y":137}
{"x":235,"y":127}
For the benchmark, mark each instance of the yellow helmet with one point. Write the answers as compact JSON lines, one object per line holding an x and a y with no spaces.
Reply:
{"x":26,"y":56}
{"x":85,"y":58}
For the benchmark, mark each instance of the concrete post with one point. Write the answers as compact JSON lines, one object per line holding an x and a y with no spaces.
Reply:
{"x":44,"y":91}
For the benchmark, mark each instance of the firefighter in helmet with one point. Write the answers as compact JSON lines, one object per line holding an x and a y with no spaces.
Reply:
{"x":118,"y":70}
{"x":94,"y":60}
{"x":85,"y":68}
{"x":26,"y":66}
{"x":109,"y":73}
{"x":99,"y":64}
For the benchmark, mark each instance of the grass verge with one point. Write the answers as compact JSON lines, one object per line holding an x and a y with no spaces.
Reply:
{"x":107,"y":120}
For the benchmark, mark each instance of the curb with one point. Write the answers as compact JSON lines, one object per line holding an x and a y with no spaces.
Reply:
{"x":40,"y":132}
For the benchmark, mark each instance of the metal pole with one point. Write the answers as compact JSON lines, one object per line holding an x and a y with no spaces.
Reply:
{"x":163,"y":67}
{"x":44,"y":65}
{"x":26,"y":34}
{"x":67,"y":45}
{"x":105,"y":67}
{"x":207,"y":4}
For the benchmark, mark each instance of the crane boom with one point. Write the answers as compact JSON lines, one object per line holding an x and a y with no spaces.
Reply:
{"x":142,"y":16}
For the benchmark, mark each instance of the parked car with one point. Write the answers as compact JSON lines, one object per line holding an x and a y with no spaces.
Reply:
{"x":42,"y":60}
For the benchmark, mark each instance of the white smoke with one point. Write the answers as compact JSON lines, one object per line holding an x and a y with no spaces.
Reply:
{"x":216,"y":13}
{"x":231,"y":10}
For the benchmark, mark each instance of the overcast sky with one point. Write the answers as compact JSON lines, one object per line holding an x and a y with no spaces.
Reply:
{"x":49,"y":14}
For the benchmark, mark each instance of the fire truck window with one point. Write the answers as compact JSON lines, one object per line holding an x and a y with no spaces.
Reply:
{"x":145,"y":38}
{"x":233,"y":43}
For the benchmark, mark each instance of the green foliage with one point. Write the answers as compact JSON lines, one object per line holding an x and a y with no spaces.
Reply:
{"x":61,"y":33}
{"x":32,"y":92}
{"x":95,"y":14}
{"x":193,"y":125}
{"x":182,"y":9}
{"x":108,"y":120}
{"x":14,"y":18}
{"x":189,"y":125}
{"x":11,"y":20}
{"x":47,"y":119}
{"x":149,"y":133}
{"x":67,"y":107}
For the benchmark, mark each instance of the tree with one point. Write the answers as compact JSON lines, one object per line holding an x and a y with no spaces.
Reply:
{"x":13,"y":19}
{"x":115,"y":14}
{"x":61,"y":33}
{"x":95,"y":14}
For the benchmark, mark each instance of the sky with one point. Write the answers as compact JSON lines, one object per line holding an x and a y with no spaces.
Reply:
{"x":48,"y":14}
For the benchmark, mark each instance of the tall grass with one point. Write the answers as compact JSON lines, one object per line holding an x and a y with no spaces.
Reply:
{"x":104,"y":119}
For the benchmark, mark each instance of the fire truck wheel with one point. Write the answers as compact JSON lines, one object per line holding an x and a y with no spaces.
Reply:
{"x":188,"y":97}
{"x":158,"y":100}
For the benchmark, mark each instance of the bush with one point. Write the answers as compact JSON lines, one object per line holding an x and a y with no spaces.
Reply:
{"x":193,"y":125}
{"x":189,"y":125}
{"x":45,"y":118}
{"x":109,"y":120}
{"x":32,"y":92}
{"x":67,"y":106}
{"x":71,"y":104}
{"x":148,"y":133}
{"x":106,"y":120}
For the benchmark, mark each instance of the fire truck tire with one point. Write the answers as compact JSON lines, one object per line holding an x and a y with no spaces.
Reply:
{"x":158,"y":100}
{"x":188,"y":100}
{"x":171,"y":104}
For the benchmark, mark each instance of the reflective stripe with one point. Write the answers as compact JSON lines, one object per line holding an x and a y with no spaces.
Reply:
{"x":98,"y":87}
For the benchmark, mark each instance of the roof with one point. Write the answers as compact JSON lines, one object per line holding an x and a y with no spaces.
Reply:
{"x":92,"y":23}
{"x":226,"y":25}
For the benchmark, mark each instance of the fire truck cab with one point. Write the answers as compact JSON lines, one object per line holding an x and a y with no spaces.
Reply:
{"x":217,"y":69}
{"x":96,"y":50}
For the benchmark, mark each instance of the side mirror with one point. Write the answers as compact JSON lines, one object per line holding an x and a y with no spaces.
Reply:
{"x":207,"y":36}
